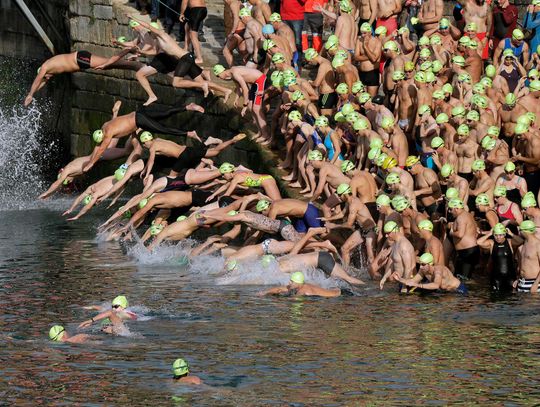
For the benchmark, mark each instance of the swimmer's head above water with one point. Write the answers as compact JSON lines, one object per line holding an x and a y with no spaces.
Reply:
{"x":180,"y":368}
{"x":120,"y":302}
{"x":56,"y":333}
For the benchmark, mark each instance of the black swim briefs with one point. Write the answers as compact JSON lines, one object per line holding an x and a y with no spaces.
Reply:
{"x":187,"y":67}
{"x":164,"y":63}
{"x":83,"y":60}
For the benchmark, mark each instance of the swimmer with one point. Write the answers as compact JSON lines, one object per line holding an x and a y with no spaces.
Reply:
{"x":297,"y":287}
{"x":115,"y":316}
{"x":58,"y":334}
{"x":180,"y":369}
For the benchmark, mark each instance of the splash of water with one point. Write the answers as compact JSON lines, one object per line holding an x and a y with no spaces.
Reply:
{"x":21,"y":157}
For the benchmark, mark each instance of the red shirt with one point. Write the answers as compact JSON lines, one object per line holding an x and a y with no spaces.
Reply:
{"x":308,"y":7}
{"x":292,"y":9}
{"x":506,"y":18}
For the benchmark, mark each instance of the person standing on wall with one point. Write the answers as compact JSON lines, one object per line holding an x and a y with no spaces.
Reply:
{"x":292,"y":14}
{"x":504,"y":22}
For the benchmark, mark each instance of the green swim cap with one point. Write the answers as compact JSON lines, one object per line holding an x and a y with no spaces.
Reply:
{"x":331,"y":42}
{"x":534,"y":85}
{"x":500,"y":190}
{"x":447,"y":170}
{"x":365,"y":28}
{"x":458,"y":111}
{"x":392,"y":178}
{"x":510,"y":166}
{"x":398,"y":76}
{"x":425,"y":224}
{"x":267,"y":259}
{"x":517,"y":34}
{"x":289,"y":80}
{"x":383,"y":200}
{"x":314,"y":155}
{"x":127,"y":214}
{"x":226,"y":168}
{"x":455,"y":203}
{"x":435,"y":40}
{"x":120,"y":172}
{"x":310,"y":54}
{"x":491,"y":71}
{"x":121,"y":301}
{"x":528,"y":201}
{"x":442,"y":118}
{"x":451,"y":193}
{"x":508,"y":52}
{"x":400,"y":203}
{"x":436,"y":66}
{"x":56,"y":333}
{"x":262,"y":205}
{"x":438,"y":94}
{"x":218,"y":69}
{"x":486,"y":82}
{"x":478,"y":165}
{"x":482,"y":200}
{"x":244,"y":12}
{"x":343,"y":189}
{"x":493,"y":131}
{"x":381,"y":30}
{"x":425,"y":53}
{"x":337,"y":62}
{"x":479,"y":88}
{"x":426,"y":258}
{"x":447,"y":88}
{"x":347,"y":108}
{"x":121,"y":39}
{"x":531,"y":116}
{"x":390,"y":227}
{"x":268,"y":44}
{"x":347,"y":166}
{"x":510,"y":99}
{"x":387,"y":122}
{"x":464,"y":77}
{"x":156,"y":229}
{"x":524,"y":119}
{"x":391,"y":46}
{"x":463,"y":130}
{"x":278,"y":58}
{"x":133,"y":23}
{"x":357,"y":87}
{"x":437,"y":142}
{"x":297,"y":95}
{"x":353,"y":117}
{"x":388,"y":163}
{"x":420,"y":77}
{"x":145,"y":136}
{"x":521,"y":129}
{"x":155,"y":25}
{"x":423,"y":41}
{"x":321,"y":121}
{"x":379,"y":161}
{"x":87,"y":199}
{"x":180,"y":367}
{"x":488,"y":143}
{"x":409,"y":66}
{"x":295,"y":115}
{"x":430,"y":77}
{"x":342,"y":89}
{"x":297,"y":277}
{"x":232,"y":213}
{"x":340,"y":117}
{"x":423,"y":109}
{"x":98,"y":136}
{"x":527,"y":226}
{"x":231,"y":265}
{"x":275,"y":18}
{"x":499,"y":229}
{"x":459,"y":60}
{"x":142,"y":203}
{"x":374,"y":153}
{"x":363,"y":97}
{"x":181,"y":218}
{"x":361,"y":124}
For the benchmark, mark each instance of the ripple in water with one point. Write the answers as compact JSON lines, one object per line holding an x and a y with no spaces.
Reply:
{"x":21,"y":157}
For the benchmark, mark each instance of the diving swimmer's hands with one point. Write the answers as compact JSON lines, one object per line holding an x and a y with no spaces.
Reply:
{"x":85,"y":324}
{"x":28,"y":100}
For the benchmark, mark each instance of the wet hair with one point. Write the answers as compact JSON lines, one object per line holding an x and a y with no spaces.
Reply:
{"x":378,"y":100}
{"x":225,"y":201}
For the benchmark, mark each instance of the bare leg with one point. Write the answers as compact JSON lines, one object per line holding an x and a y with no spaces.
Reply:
{"x":339,"y":272}
{"x":142,"y":76}
{"x":190,"y":84}
{"x":350,"y":244}
{"x":271,"y":189}
{"x":214,"y":151}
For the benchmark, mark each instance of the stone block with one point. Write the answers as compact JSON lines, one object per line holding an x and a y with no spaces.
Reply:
{"x":80,"y":8}
{"x":103,"y":12}
{"x":92,"y":101}
{"x":104,"y":2}
{"x":90,"y":30}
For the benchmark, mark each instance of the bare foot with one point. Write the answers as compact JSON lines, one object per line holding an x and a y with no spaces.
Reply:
{"x":287,"y":178}
{"x":239,"y":137}
{"x":295,"y":185}
{"x":204,"y":87}
{"x":266,"y":142}
{"x":226,"y":96}
{"x":305,"y":190}
{"x":195,"y":107}
{"x":212,"y":140}
{"x":193,"y":134}
{"x":310,"y":195}
{"x":150,"y":100}
{"x":116,"y":107}
{"x":199,"y":61}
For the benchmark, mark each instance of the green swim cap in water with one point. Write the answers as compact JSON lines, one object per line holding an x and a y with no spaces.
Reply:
{"x":232,"y":213}
{"x":142,"y":203}
{"x":231,"y":265}
{"x":87,"y":199}
{"x":180,"y":367}
{"x":297,"y":277}
{"x":267,"y":259}
{"x":98,"y":136}
{"x":499,"y":229}
{"x":56,"y":333}
{"x":120,"y":301}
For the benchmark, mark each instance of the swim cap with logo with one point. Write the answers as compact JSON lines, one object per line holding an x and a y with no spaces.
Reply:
{"x":267,"y":259}
{"x":420,"y":77}
{"x":275,"y":18}
{"x":521,"y":129}
{"x":528,"y":201}
{"x":347,"y":166}
{"x":444,"y":23}
{"x":127,"y":214}
{"x":310,"y":54}
{"x":363,"y":97}
{"x":430,"y":77}
{"x":517,"y":34}
{"x":383,"y":200}
{"x":87,"y":199}
{"x":398,"y":75}
{"x":392,"y":178}
{"x":488,"y":143}
{"x":365,"y":28}
{"x":426,"y":258}
{"x":245,"y":12}
{"x":438,"y":94}
{"x":278,"y":58}
{"x":435,"y":40}
{"x":471,"y":27}
{"x":331,"y":42}
{"x":321,"y":121}
{"x":459,"y":60}
{"x":98,"y":136}
{"x":391,"y":46}
{"x":145,"y":136}
{"x":56,"y":333}
{"x":464,"y":77}
{"x":411,"y":160}
{"x":451,"y":193}
{"x":314,"y":155}
{"x":390,"y":227}
{"x":376,"y":143}
{"x":527,"y":226}
{"x":347,"y":108}
{"x":491,"y":71}
{"x":374,"y":153}
{"x":436,"y":66}
{"x":534,"y":85}
{"x":446,"y":170}
{"x":387,"y":122}
{"x":400,"y":203}
{"x":297,"y":95}
{"x":232,"y":213}
{"x":500,"y":190}
{"x":510,"y":99}
{"x":262,"y":205}
{"x":510,"y":166}
{"x":121,"y":301}
{"x":345,"y":6}
{"x":531,"y":116}
{"x":381,"y":159}
{"x":425,"y":53}
{"x":339,"y":117}
{"x":447,"y":88}
{"x":361,"y":124}
{"x":337,"y":62}
{"x":482,"y":200}
{"x":458,"y":111}
{"x":181,"y":218}
{"x":478,"y":165}
{"x":381,"y":30}
{"x":342,"y":89}
{"x":437,"y":142}
{"x":463,"y":130}
{"x":493,"y":131}
{"x":297,"y":277}
{"x":425,"y":224}
{"x":357,"y":87}
{"x":180,"y":367}
{"x":473,"y":115}
{"x":343,"y":189}
{"x":442,"y":118}
{"x":455,"y":203}
{"x":403,"y":30}
{"x":121,"y":39}
{"x":499,"y":229}
{"x":289,"y":81}
{"x":133,"y":23}
{"x":295,"y":115}
{"x":423,"y":41}
{"x":120,"y":173}
{"x":156,"y":229}
{"x":352,"y":117}
{"x":508,"y":52}
{"x":277,"y":79}
{"x":423,"y":109}
{"x":226,"y":168}
{"x":389,"y":163}
{"x":268,"y":44}
{"x":486,"y":82}
{"x":409,"y":66}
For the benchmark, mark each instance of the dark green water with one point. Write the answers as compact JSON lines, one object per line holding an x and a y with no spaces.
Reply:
{"x":374,"y":349}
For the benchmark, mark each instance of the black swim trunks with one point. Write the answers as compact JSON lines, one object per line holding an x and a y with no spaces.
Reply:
{"x":177,"y":183}
{"x":326,"y":263}
{"x":187,"y":67}
{"x":83,"y":60}
{"x":164,"y":63}
{"x":199,"y":197}
{"x":328,"y":100}
{"x":195,"y":17}
{"x":190,"y":157}
{"x":370,"y":78}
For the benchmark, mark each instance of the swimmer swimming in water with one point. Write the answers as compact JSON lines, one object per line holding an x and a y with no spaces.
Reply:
{"x":297,"y":287}
{"x":116,"y":315}
{"x":181,"y":374}
{"x":58,"y":334}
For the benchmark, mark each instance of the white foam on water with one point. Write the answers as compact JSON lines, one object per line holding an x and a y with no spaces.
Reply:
{"x":21,"y":157}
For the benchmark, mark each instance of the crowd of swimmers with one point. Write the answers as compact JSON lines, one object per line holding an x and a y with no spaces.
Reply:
{"x":416,"y":149}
